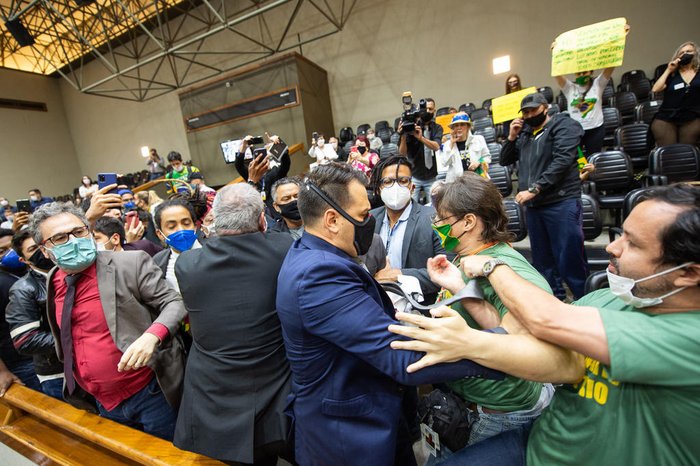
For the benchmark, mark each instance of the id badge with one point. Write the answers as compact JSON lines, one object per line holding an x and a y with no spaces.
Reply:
{"x":263,"y":194}
{"x":430,"y":441}
{"x":678,"y":86}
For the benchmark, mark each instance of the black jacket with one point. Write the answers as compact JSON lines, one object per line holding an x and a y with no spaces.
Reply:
{"x":29,"y":329}
{"x":237,"y":377}
{"x":547,"y":159}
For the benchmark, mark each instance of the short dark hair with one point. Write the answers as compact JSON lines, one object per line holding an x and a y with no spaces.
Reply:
{"x":333,"y":179}
{"x":36,"y":190}
{"x":176,"y":202}
{"x":108,"y":226}
{"x":286,"y":180}
{"x":472,"y":194}
{"x":6,"y":232}
{"x":19,"y":238}
{"x":172,"y":156}
{"x":376,"y":178}
{"x":679,"y":240}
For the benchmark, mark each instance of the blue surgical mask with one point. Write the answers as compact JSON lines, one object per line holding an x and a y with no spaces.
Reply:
{"x":11,"y":262}
{"x":76,"y":255}
{"x":181,"y":240}
{"x":130,"y":205}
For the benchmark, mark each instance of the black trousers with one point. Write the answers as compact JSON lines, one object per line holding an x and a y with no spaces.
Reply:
{"x":592,"y":140}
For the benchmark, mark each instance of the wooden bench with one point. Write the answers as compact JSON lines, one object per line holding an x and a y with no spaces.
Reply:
{"x":49,"y":431}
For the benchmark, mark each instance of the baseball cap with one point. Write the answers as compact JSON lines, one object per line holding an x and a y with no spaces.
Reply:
{"x":533,"y":101}
{"x":460,"y":117}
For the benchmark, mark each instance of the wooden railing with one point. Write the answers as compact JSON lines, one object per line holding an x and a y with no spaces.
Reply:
{"x":146,"y":186}
{"x":49,"y":431}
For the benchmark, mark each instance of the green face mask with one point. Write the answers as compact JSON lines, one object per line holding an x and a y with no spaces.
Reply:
{"x":448,"y":241}
{"x":583,"y":80}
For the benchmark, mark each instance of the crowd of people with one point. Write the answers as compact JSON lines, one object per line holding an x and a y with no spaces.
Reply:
{"x":294,"y":317}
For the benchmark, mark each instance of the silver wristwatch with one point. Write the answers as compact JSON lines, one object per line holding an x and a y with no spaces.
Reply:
{"x":491,"y":265}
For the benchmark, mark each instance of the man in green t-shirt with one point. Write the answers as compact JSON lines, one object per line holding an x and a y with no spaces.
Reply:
{"x":639,"y":401}
{"x":178,"y":171}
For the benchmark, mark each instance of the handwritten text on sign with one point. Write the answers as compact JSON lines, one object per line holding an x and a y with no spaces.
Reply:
{"x":507,"y":107}
{"x":599,"y":45}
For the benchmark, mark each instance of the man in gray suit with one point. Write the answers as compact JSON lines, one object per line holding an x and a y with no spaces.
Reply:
{"x":237,"y":378}
{"x":405,"y":226}
{"x":114,"y":321}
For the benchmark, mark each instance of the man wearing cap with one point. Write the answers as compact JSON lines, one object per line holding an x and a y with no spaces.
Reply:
{"x":197,"y":179}
{"x":464,"y":150}
{"x":127,"y":199}
{"x":550,"y":189}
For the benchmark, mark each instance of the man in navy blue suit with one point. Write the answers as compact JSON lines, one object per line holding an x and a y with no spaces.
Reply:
{"x":346,"y":380}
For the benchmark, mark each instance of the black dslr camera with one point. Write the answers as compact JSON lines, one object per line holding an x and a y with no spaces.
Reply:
{"x":413,"y":115}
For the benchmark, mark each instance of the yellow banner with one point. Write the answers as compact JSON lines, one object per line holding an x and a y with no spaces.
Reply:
{"x":507,"y":107}
{"x":599,"y":45}
{"x":444,"y":120}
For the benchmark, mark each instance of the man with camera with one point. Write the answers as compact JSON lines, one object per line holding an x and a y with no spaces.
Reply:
{"x":420,"y":138}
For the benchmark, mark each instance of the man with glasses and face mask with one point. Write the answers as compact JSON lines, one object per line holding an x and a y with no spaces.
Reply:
{"x":346,"y":392}
{"x":639,"y":400}
{"x":112,"y":317}
{"x":550,"y":189}
{"x":404,"y":226}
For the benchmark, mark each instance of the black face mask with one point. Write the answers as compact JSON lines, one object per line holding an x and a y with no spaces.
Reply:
{"x":41,"y":262}
{"x":686,"y":59}
{"x":537,"y":120}
{"x":361,"y":150}
{"x":290,"y":210}
{"x":364,"y":230}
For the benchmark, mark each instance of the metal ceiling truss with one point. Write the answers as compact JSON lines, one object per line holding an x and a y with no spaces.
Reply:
{"x":141,"y":49}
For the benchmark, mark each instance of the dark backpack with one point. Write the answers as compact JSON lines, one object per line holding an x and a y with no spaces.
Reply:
{"x":444,"y":413}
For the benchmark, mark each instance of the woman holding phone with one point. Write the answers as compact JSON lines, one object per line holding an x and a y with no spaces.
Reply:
{"x":361,"y":158}
{"x":678,"y":119}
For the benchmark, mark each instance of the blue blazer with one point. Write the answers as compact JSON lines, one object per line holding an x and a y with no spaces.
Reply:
{"x":346,"y":380}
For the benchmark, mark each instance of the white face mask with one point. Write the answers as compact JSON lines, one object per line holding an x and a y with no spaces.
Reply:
{"x":4,"y":203}
{"x":321,"y":142}
{"x":34,"y":198}
{"x":396,"y":197}
{"x":622,"y":288}
{"x":334,"y":145}
{"x":209,"y":230}
{"x":102,"y":246}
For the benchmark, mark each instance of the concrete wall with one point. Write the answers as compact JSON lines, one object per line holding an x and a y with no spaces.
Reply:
{"x":439,"y":49}
{"x":36,"y":150}
{"x":446,"y":51}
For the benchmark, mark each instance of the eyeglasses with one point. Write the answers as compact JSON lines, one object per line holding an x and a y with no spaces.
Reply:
{"x":62,"y":238}
{"x":388,"y":182}
{"x":435,"y":219}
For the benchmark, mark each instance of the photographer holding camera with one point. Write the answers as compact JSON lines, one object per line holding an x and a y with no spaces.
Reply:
{"x":420,"y":138}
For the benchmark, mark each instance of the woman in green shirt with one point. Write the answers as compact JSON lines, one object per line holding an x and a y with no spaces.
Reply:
{"x":470,"y":219}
